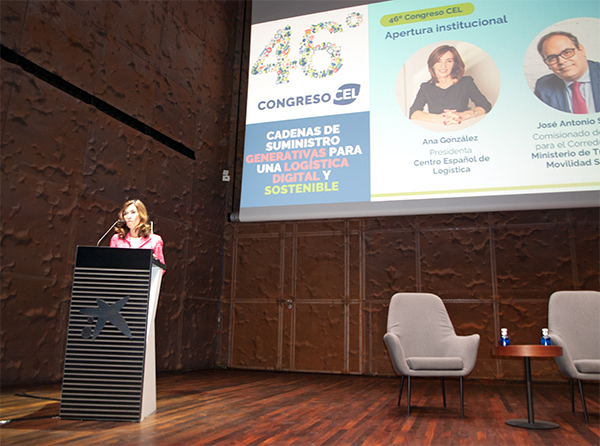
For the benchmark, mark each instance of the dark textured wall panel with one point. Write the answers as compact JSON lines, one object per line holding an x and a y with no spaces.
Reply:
{"x":453,"y":221}
{"x":115,"y":159}
{"x":37,"y":251}
{"x":533,"y":259}
{"x":94,"y":217}
{"x":257,"y":272}
{"x":377,"y":360}
{"x":533,"y":217}
{"x":33,"y":327}
{"x":169,"y":171}
{"x":13,"y":15}
{"x":126,"y":80}
{"x":409,"y":222}
{"x":255,"y":335}
{"x":67,"y":167}
{"x":355,"y":280}
{"x":175,"y":111}
{"x":203,"y":275}
{"x":456,"y":263}
{"x":175,"y":253}
{"x":137,"y":24}
{"x":93,"y":11}
{"x":207,"y":209}
{"x":169,"y":318}
{"x":587,"y":252}
{"x":391,"y":264}
{"x":57,"y":38}
{"x":200,"y":328}
{"x":355,"y":347}
{"x":38,"y":227}
{"x":31,"y":144}
{"x":320,"y":260}
{"x":182,"y":66}
{"x":319,"y":340}
{"x":493,"y":270}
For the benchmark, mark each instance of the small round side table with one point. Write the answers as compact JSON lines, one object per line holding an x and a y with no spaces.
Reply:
{"x":527,"y":352}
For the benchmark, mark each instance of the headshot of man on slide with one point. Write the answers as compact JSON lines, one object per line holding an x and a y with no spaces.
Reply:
{"x":574,"y":85}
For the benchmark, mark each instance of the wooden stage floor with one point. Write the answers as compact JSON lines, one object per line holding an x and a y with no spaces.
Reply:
{"x":240,"y":407}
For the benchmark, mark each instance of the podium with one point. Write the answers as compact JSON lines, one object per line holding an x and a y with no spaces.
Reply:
{"x":110,"y":361}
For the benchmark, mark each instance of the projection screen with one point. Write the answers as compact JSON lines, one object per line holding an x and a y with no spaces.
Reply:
{"x":411,"y":107}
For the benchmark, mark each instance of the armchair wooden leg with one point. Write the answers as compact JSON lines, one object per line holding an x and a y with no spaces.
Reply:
{"x":401,"y":386}
{"x":462,"y":401}
{"x":408,"y":405}
{"x":582,"y":401}
{"x":444,"y":391}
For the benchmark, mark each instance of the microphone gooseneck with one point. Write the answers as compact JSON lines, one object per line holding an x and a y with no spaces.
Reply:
{"x":109,"y":229}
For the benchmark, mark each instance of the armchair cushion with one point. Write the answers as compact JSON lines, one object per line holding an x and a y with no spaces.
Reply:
{"x":587,"y":365}
{"x":420,"y":363}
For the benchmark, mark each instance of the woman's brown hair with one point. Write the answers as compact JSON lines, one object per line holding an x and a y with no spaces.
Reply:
{"x":143,"y":227}
{"x":458,"y":70}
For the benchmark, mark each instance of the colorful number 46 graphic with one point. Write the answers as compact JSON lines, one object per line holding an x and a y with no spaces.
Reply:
{"x":279,"y":48}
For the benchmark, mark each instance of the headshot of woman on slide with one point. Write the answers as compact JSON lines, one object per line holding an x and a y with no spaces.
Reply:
{"x":448,"y":92}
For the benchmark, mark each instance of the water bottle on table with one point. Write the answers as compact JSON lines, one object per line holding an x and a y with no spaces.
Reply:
{"x":545,"y":340}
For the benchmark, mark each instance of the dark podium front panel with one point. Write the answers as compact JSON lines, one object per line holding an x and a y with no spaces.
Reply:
{"x":107,"y":335}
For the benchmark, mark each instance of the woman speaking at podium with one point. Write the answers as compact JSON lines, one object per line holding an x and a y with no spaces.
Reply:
{"x":135,"y":232}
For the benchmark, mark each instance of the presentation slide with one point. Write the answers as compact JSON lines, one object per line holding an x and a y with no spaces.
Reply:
{"x":406,"y":107}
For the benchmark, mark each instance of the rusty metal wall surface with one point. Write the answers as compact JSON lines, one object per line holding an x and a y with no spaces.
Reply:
{"x":313,"y":295}
{"x":67,"y":167}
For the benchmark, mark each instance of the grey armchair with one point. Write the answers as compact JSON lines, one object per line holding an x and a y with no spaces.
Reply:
{"x":574,"y":324}
{"x":421,"y":341}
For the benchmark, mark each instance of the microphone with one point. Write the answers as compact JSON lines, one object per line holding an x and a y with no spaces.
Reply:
{"x":110,"y":229}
